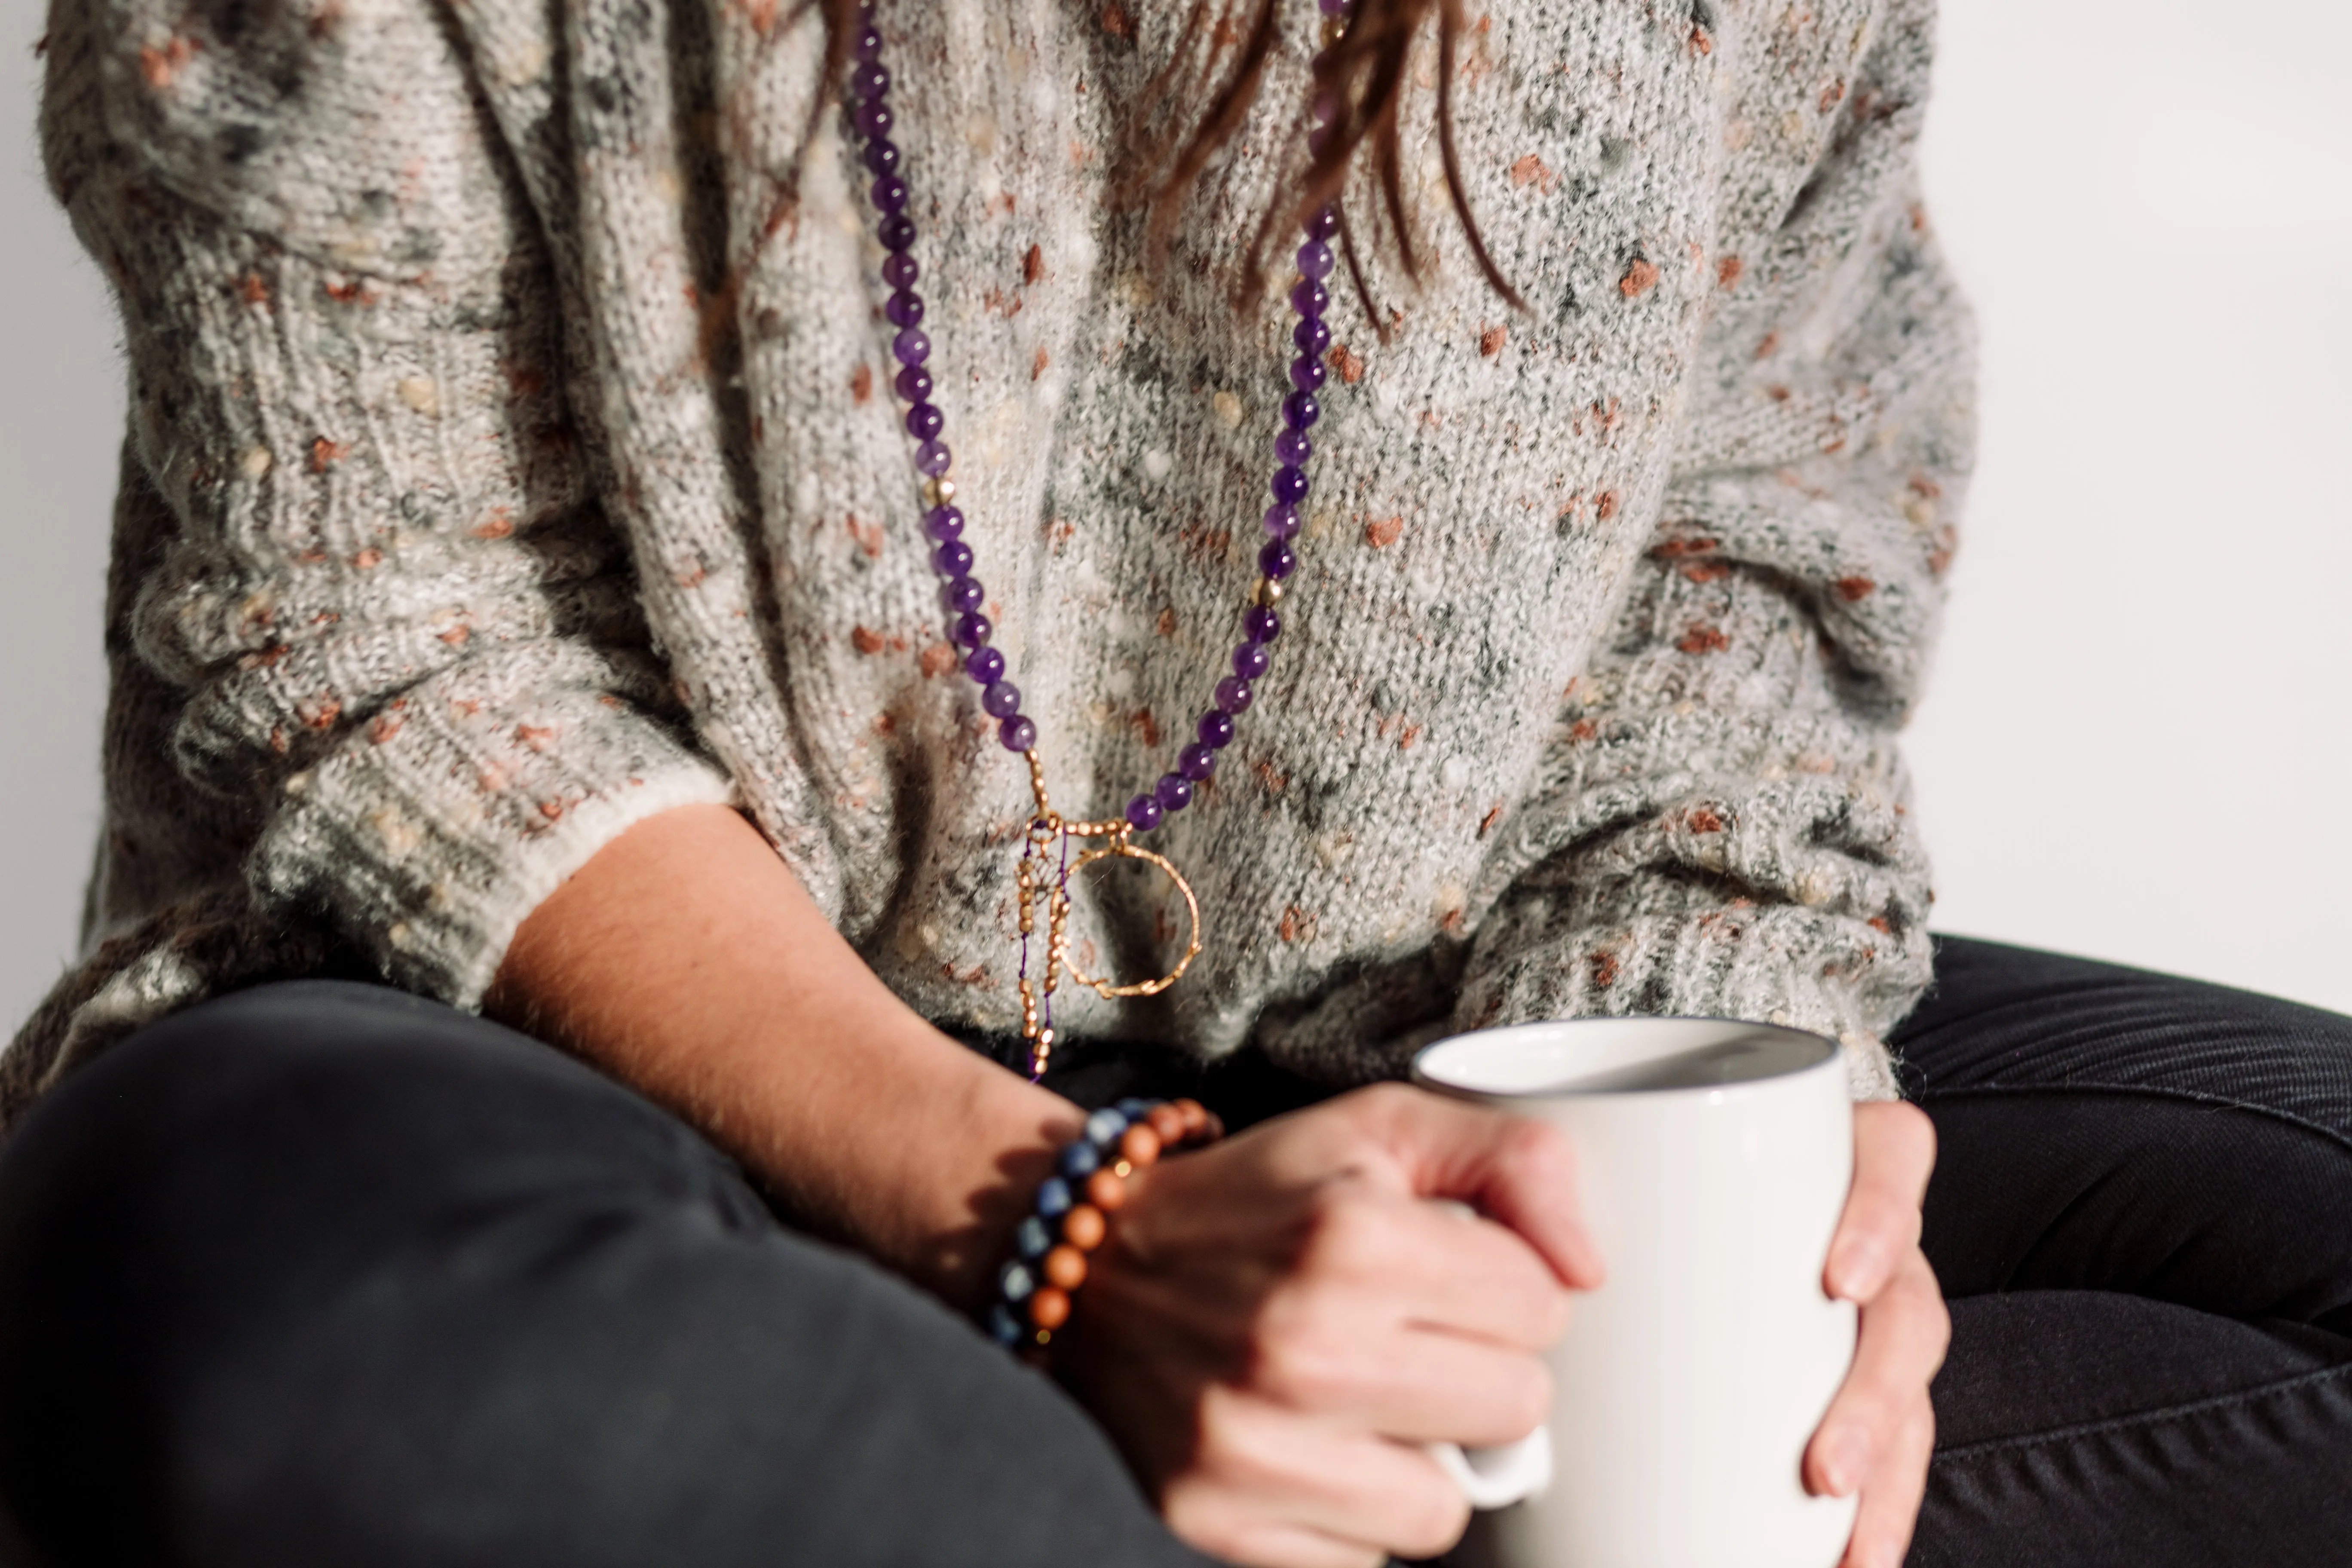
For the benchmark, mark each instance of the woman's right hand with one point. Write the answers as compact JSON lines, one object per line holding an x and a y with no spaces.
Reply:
{"x":1276,"y":1319}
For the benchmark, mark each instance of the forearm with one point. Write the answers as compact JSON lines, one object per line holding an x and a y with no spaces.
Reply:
{"x":687,"y":961}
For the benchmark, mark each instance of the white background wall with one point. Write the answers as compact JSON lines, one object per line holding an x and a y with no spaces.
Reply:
{"x":60,"y":426}
{"x":2139,"y":739}
{"x":2137,"y":746}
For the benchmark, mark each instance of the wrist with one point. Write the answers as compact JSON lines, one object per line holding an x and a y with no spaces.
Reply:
{"x":996,"y":1138}
{"x":1071,"y":1213}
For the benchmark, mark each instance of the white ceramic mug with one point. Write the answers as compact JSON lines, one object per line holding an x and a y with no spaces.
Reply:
{"x":1712,"y":1161}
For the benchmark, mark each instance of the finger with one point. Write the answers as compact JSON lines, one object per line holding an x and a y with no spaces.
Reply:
{"x":1259,"y":1465}
{"x":1451,"y":1390}
{"x":1517,"y":1172}
{"x":1904,"y":1333}
{"x":1439,"y":1266}
{"x":1890,"y":1505}
{"x":1396,"y":1380}
{"x":1893,"y":1151}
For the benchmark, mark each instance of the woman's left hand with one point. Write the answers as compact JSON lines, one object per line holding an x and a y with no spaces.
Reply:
{"x":1880,"y":1429}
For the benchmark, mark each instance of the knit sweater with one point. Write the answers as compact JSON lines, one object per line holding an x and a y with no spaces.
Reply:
{"x":512,"y":457}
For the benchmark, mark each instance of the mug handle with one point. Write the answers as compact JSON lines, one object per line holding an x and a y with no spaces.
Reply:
{"x":1497,"y":1477}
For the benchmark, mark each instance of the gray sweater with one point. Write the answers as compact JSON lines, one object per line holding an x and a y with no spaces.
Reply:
{"x":512,"y":457}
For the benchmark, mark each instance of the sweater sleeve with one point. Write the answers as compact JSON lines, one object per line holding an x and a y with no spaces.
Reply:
{"x":402,"y":638}
{"x":1721,"y":824}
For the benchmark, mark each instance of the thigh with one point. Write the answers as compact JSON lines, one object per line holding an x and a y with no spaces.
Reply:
{"x":2093,"y":1429}
{"x":2139,"y":1208}
{"x":325,"y":1273}
{"x":2108,"y":1129}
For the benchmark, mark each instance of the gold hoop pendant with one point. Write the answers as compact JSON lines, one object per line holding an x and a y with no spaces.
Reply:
{"x":1119,"y":849}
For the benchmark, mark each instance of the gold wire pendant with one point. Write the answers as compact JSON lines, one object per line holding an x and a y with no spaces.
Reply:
{"x":1049,"y":830}
{"x":1121,"y":848}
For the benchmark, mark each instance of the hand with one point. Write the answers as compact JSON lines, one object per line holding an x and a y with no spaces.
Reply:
{"x":1880,"y":1428}
{"x":1276,"y":1318}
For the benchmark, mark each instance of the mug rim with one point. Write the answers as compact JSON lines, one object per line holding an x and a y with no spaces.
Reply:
{"x":1832,"y":1055}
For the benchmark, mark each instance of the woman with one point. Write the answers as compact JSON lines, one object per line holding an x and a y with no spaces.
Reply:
{"x":528,"y":594}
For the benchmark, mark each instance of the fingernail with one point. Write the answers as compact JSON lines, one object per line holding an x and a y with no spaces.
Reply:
{"x":1842,"y":1470}
{"x":1858,"y":1268}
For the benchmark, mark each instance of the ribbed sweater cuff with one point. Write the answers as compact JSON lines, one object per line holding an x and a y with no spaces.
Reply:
{"x":1766,"y":965}
{"x":435,"y":833}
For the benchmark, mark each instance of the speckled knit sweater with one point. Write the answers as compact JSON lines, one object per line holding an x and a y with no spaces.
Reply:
{"x":512,"y":457}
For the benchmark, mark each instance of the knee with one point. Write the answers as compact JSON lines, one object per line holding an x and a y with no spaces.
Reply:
{"x":191,"y":1226}
{"x":2235,"y":1210}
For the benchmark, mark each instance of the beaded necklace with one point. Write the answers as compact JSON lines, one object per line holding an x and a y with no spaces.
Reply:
{"x":1047,"y":866}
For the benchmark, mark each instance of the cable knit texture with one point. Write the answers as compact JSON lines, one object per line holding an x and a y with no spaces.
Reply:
{"x":512,"y":457}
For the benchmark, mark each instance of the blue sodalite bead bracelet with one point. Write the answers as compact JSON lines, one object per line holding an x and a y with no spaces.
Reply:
{"x":1074,"y":1206}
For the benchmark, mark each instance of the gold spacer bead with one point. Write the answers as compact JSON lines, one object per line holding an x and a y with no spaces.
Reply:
{"x":1269,"y":592}
{"x":938,"y":490}
{"x":1334,"y":29}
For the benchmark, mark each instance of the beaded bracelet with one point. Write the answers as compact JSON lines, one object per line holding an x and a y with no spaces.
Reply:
{"x":1074,"y":1206}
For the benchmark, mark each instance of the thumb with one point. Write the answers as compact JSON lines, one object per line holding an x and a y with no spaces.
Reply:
{"x":1516,"y":1171}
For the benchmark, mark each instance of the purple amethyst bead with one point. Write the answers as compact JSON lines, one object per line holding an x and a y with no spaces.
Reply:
{"x":1001,"y":700}
{"x":1143,"y":814}
{"x":905,"y":308}
{"x":1233,"y":694}
{"x":1307,"y":374}
{"x":951,"y":558}
{"x":1217,"y":729}
{"x":1277,"y":559}
{"x":900,"y":272}
{"x":913,"y":348}
{"x":868,"y":80}
{"x":1288,"y":485}
{"x":1293,"y":447}
{"x":1017,"y":734}
{"x":1250,"y":659}
{"x":873,"y":117}
{"x":1282,"y":522}
{"x":1300,"y":410}
{"x":1174,"y":792}
{"x":1308,"y":297}
{"x":943,"y":523}
{"x":914,"y":383}
{"x":869,"y":45}
{"x":986,"y":666}
{"x":881,"y":156}
{"x":1260,"y":624}
{"x":1314,"y":259}
{"x":896,"y":232}
{"x":961,"y":595}
{"x":933,"y":458}
{"x":1311,"y":335}
{"x":890,"y":194}
{"x":1324,"y":224}
{"x":924,"y":420}
{"x":1196,"y":762}
{"x":1333,"y":7}
{"x":971,"y":630}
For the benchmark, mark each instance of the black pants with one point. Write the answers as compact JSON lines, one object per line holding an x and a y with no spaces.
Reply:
{"x":323,"y":1274}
